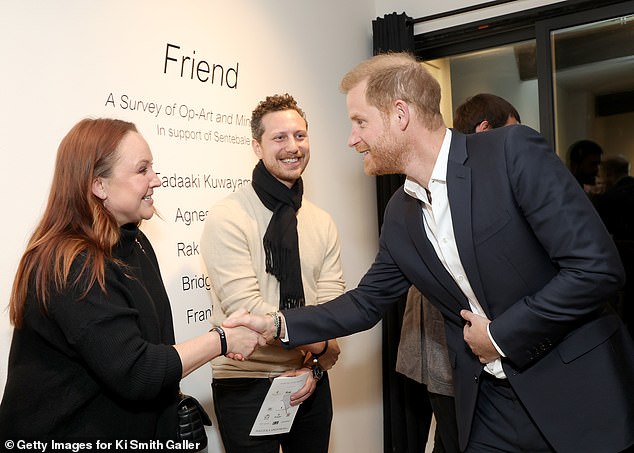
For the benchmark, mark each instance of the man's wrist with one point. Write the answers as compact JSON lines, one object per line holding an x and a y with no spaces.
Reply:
{"x":277,"y":324}
{"x":283,"y":331}
{"x":323,"y":351}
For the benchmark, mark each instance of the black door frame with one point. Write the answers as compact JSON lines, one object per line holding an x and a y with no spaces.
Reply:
{"x":536,"y":23}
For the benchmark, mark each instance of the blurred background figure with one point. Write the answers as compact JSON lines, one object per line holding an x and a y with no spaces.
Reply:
{"x":616,"y":208}
{"x":583,"y":159}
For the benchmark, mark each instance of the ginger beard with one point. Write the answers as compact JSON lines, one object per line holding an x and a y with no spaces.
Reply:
{"x":385,"y":157}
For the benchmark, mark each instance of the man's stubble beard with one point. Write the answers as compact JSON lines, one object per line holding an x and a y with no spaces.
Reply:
{"x":386,"y":157}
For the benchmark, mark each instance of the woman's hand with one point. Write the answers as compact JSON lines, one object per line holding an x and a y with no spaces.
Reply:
{"x":242,"y":341}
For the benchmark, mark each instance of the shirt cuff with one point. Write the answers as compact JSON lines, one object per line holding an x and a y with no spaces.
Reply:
{"x":285,"y":338}
{"x":494,"y":343}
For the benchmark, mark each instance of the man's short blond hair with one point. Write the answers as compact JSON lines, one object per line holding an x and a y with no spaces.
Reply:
{"x":393,"y":76}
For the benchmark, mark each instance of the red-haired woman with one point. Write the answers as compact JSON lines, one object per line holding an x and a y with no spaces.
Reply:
{"x":93,"y":354}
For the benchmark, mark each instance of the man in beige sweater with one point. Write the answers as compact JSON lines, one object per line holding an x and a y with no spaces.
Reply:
{"x":267,"y":248}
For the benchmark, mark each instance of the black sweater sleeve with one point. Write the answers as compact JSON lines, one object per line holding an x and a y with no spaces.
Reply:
{"x":117,"y":334}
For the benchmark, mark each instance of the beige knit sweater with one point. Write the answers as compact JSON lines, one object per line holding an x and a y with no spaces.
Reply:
{"x":231,"y":246}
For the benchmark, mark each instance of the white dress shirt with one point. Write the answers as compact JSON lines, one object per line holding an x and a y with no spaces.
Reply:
{"x":439,"y":229}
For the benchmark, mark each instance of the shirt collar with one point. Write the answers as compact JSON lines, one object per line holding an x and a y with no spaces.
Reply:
{"x":439,"y":172}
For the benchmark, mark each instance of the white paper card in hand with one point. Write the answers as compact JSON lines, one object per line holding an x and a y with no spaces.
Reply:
{"x":276,"y":413}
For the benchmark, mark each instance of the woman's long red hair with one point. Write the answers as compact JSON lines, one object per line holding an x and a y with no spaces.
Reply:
{"x":75,"y":221}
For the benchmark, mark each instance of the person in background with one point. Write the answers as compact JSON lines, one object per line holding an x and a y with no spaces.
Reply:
{"x":268,"y":248}
{"x":616,"y":208}
{"x":422,"y":356}
{"x":615,"y":171}
{"x":479,"y":113}
{"x":483,"y":112}
{"x":496,"y":232}
{"x":93,"y":354}
{"x":584,"y":158}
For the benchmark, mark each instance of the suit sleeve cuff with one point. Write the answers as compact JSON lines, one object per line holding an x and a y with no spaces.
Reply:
{"x":497,"y":348}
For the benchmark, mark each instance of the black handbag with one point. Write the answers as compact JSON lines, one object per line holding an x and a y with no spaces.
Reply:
{"x":192,"y":419}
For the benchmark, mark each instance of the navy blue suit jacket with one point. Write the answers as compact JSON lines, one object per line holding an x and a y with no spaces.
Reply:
{"x":541,"y":265}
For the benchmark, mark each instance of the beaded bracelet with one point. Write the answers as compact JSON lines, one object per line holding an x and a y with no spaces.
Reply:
{"x":277,"y":323}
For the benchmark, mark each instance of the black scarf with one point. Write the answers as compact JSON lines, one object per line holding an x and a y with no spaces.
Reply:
{"x":281,"y":245}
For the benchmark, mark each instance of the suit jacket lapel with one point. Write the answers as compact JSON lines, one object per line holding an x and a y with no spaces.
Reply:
{"x":416,"y":230}
{"x":459,"y":194}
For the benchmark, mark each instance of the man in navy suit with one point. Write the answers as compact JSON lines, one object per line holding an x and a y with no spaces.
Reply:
{"x":497,"y":233}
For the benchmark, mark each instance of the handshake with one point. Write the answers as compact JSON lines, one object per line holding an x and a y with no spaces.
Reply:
{"x":245,"y":332}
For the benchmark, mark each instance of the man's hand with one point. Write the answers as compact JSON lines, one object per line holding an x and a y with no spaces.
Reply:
{"x":477,"y":338}
{"x":309,"y":387}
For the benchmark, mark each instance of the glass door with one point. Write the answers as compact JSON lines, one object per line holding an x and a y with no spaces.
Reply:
{"x":508,"y":71}
{"x":591,"y":85}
